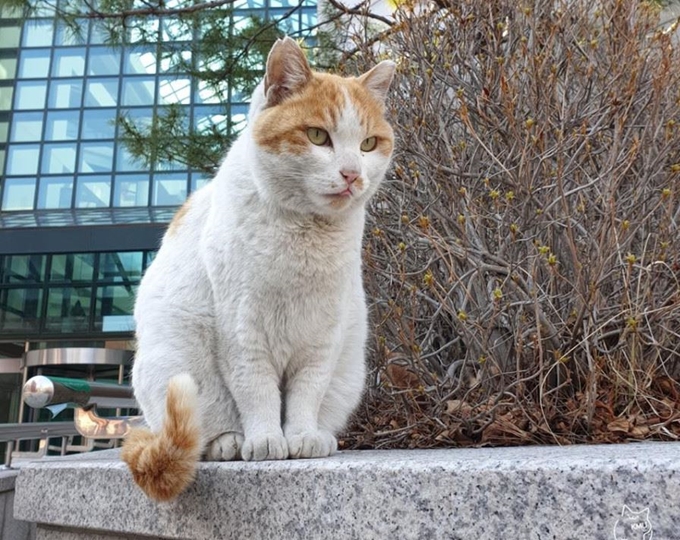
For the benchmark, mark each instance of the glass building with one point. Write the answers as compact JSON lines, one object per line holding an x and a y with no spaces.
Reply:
{"x":80,"y":219}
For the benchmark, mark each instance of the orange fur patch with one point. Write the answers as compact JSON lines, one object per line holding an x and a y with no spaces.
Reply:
{"x":178,"y":217}
{"x":283,"y":128}
{"x":164,"y":464}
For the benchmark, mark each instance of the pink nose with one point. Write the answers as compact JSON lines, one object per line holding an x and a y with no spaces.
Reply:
{"x":349,"y":176}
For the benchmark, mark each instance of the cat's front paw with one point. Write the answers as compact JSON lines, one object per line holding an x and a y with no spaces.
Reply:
{"x":226,"y":447}
{"x":311,"y":444}
{"x":267,"y":446}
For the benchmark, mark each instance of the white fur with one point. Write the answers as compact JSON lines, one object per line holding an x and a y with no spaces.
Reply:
{"x":258,"y":295}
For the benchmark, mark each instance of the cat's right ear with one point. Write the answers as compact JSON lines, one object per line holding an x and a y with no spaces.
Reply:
{"x":287,"y":71}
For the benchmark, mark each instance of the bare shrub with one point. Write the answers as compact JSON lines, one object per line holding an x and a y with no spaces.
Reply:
{"x":523,"y":259}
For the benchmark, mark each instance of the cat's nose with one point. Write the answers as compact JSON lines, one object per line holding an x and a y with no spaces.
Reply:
{"x":350,"y":175}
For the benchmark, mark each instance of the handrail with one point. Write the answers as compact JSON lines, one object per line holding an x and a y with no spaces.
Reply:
{"x":36,"y":430}
{"x":41,"y":391}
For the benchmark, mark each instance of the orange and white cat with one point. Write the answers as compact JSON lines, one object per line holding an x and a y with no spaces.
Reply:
{"x":251,"y":321}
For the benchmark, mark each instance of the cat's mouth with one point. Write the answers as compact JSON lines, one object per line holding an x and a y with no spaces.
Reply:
{"x":341,"y":194}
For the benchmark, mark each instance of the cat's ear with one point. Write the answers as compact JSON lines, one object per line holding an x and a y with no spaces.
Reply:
{"x":287,"y":71}
{"x":645,"y":513}
{"x":625,"y":510}
{"x":378,"y":80}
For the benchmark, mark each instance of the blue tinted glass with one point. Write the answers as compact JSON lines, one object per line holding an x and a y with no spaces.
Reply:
{"x":169,"y":189}
{"x":96,"y":157}
{"x":55,"y":192}
{"x":68,"y":62}
{"x":103,"y":61}
{"x":62,"y":125}
{"x":198,"y":180}
{"x":99,"y":124}
{"x":18,"y":194}
{"x":22,"y":159}
{"x":141,"y":118}
{"x":66,"y":35}
{"x":175,"y":29}
{"x":34,"y":63}
{"x":38,"y":33}
{"x":27,"y":127}
{"x":174,"y":91}
{"x":138,"y":91}
{"x":101,"y":93}
{"x":131,"y":190}
{"x":93,"y":191}
{"x":58,"y":158}
{"x":139,"y":61}
{"x":126,"y":162}
{"x":65,"y":94}
{"x":30,"y":95}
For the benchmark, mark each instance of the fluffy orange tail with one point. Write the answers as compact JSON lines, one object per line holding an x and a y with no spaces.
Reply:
{"x":164,"y":464}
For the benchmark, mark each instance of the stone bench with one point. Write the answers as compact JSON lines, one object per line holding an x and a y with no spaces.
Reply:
{"x":574,"y":492}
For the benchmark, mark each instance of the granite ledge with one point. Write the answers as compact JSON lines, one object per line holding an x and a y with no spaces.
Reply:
{"x":487,"y":493}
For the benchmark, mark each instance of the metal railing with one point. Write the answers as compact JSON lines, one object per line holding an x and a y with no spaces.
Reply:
{"x":82,"y":396}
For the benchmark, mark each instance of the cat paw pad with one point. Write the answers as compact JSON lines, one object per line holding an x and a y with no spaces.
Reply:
{"x":261,"y":447}
{"x":311,"y":444}
{"x":226,"y":447}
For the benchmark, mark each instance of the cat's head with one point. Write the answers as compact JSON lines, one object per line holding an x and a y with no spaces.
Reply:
{"x":321,"y":141}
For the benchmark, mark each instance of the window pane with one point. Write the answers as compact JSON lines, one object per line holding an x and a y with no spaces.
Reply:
{"x":66,"y":94}
{"x":30,"y":95}
{"x":68,"y":309}
{"x":99,"y":124}
{"x":4,"y":131}
{"x":38,"y":33}
{"x":9,"y":36}
{"x":139,"y":62}
{"x":64,"y":35}
{"x":27,"y":127}
{"x":93,"y":191}
{"x":169,"y":189}
{"x":103,"y":61}
{"x":73,"y":267}
{"x":68,"y":63}
{"x":131,"y":190}
{"x":18,"y":194}
{"x":123,"y":267}
{"x":96,"y":157}
{"x":8,"y":68}
{"x":210,"y":119}
{"x":114,"y":308}
{"x":62,"y":126}
{"x":101,"y":93}
{"x":138,"y":91}
{"x":22,"y":159}
{"x":20,"y":309}
{"x":199,"y":180}
{"x":55,"y":192}
{"x":58,"y":158}
{"x":175,"y":61}
{"x":6,"y":98}
{"x":174,"y":91}
{"x":126,"y":162}
{"x":34,"y":64}
{"x":23,"y":269}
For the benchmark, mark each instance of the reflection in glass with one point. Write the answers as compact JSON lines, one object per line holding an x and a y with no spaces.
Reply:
{"x":198,"y":180}
{"x":27,"y":127}
{"x":169,"y":189}
{"x":138,"y":91}
{"x":4,"y":131}
{"x":38,"y":33}
{"x":103,"y":61}
{"x":6,"y":98}
{"x":68,"y":62}
{"x":65,"y":94}
{"x":29,"y":95}
{"x":176,"y":61}
{"x":101,"y":93}
{"x":125,"y":161}
{"x":174,"y":91}
{"x":62,"y":126}
{"x":23,"y":269}
{"x":131,"y":190}
{"x":58,"y":158}
{"x":99,"y":124}
{"x":114,"y":308}
{"x":68,"y":309}
{"x":8,"y":68}
{"x":55,"y":192}
{"x":96,"y":157}
{"x":18,"y":194}
{"x":9,"y":37}
{"x":22,"y":159}
{"x":93,"y":191}
{"x":123,"y":267}
{"x":176,"y":30}
{"x":139,"y":62}
{"x":20,"y":310}
{"x":72,"y":267}
{"x":65,"y":35}
{"x":34,"y":64}
{"x":210,"y":119}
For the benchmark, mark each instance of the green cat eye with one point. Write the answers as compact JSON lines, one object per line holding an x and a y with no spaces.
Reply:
{"x":318,"y":136}
{"x":369,"y":144}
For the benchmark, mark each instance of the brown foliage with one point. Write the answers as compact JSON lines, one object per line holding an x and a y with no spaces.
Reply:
{"x":523,"y":258}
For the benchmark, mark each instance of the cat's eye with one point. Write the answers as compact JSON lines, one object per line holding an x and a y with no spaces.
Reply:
{"x":368,"y":145}
{"x":318,"y":136}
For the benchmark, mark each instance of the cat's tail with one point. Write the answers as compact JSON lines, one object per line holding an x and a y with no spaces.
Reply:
{"x":164,"y":464}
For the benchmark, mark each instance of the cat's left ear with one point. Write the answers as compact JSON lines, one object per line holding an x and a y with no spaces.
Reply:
{"x":287,"y":71}
{"x":378,"y":80}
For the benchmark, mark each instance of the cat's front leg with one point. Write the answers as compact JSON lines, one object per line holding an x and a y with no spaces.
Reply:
{"x":305,"y":391}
